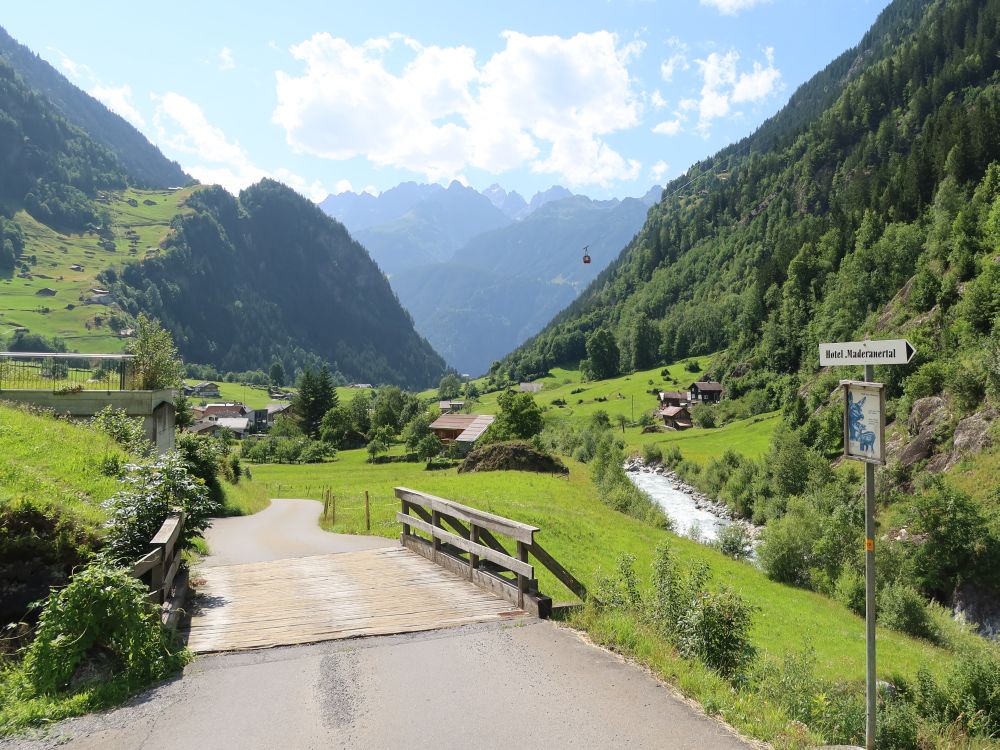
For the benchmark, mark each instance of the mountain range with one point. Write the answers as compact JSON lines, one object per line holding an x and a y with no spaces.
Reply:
{"x":482,"y":272}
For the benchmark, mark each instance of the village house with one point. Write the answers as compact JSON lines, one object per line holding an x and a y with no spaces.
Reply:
{"x":211,"y":425}
{"x":705,"y":392}
{"x":676,"y":417}
{"x":462,"y":429}
{"x":449,"y":407}
{"x":202,"y":390}
{"x":226,"y":409}
{"x":673,"y":398}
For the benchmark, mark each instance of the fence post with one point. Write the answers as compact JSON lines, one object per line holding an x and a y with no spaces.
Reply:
{"x":406,"y":512}
{"x":473,"y":558}
{"x":436,"y":523}
{"x":333,"y":509}
{"x":522,"y":581}
{"x":368,"y":517}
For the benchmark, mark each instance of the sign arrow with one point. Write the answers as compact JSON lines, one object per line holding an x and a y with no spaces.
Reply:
{"x":887,"y":352}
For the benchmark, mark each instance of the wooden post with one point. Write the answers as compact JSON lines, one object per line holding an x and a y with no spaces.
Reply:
{"x":333,"y":509}
{"x":473,"y":558}
{"x":406,"y":512}
{"x":368,"y":516}
{"x":522,"y":581}
{"x":436,"y":523}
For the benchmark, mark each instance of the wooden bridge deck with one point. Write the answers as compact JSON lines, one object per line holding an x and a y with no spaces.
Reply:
{"x":325,"y":597}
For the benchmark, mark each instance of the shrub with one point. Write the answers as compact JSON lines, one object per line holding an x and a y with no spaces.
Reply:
{"x":734,"y":541}
{"x":712,"y":626}
{"x":151,"y":492}
{"x":203,"y":457}
{"x":901,"y":608}
{"x":692,"y":366}
{"x":850,"y":590}
{"x":717,"y":630}
{"x":784,"y":553}
{"x":652,"y":454}
{"x":703,"y":416}
{"x":103,"y":611}
{"x":969,"y":697}
{"x":127,"y":431}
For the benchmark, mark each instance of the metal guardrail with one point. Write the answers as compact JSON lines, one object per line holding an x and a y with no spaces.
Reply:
{"x":66,"y":373}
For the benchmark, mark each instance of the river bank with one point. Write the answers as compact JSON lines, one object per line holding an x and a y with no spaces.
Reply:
{"x":694,"y":514}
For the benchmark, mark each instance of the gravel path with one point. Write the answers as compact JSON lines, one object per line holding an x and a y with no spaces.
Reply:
{"x":286,"y":528}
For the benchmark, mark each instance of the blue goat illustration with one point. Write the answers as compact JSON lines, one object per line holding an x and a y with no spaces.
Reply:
{"x":856,"y":426}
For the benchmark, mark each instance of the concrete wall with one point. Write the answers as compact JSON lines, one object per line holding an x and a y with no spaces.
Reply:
{"x":155,"y":407}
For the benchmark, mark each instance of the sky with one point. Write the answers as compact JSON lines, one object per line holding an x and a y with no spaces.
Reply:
{"x":606,"y":98}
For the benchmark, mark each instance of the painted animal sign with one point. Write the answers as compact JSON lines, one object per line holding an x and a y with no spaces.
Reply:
{"x":864,"y":421}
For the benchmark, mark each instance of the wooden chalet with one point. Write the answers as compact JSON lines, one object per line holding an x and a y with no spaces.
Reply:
{"x":705,"y":392}
{"x":673,"y":398}
{"x":676,"y":417}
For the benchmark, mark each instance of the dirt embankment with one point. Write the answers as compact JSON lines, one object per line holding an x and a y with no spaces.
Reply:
{"x":512,"y":457}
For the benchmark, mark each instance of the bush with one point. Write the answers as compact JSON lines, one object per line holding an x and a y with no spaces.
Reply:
{"x":652,"y":454}
{"x":970,"y":696}
{"x":692,"y":366}
{"x":127,"y":431}
{"x":850,"y":590}
{"x":703,"y":416}
{"x":204,"y":457}
{"x":151,"y":492}
{"x":102,"y":612}
{"x":901,"y":608}
{"x":734,"y":541}
{"x":712,"y":626}
{"x":896,"y":725}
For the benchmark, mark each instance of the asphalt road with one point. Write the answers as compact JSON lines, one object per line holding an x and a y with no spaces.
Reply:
{"x":517,"y":683}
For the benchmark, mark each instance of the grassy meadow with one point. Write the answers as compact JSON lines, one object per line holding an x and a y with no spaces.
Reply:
{"x":138,"y":232}
{"x":586,"y":536}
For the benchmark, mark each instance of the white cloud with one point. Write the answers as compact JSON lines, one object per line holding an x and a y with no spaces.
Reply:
{"x":544,"y":102}
{"x":342,"y":186}
{"x":657,"y":100}
{"x":668,"y":127}
{"x":72,"y":68}
{"x":672,"y":64}
{"x":226,"y":61}
{"x":723,"y":85}
{"x":752,"y":87}
{"x":659,"y":170}
{"x":732,"y":7}
{"x":119,"y":100}
{"x":215,"y":159}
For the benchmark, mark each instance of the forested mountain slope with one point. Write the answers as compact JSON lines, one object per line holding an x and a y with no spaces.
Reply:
{"x":244,"y":282}
{"x":876,"y":172}
{"x":145,"y":164}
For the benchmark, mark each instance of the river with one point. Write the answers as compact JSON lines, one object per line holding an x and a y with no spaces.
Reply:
{"x":686,"y":509}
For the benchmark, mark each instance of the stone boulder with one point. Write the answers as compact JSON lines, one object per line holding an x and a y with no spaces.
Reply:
{"x":917,"y":449}
{"x":972,"y":434}
{"x":928,"y":414}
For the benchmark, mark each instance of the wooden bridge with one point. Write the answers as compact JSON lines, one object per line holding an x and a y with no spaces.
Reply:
{"x":437,"y":578}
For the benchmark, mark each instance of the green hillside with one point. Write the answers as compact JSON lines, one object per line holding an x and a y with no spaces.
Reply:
{"x":268,"y":277}
{"x":142,"y":160}
{"x":804,"y":230}
{"x":139,"y":223}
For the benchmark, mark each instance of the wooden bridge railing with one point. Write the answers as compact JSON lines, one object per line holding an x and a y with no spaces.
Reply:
{"x":471,"y":550}
{"x":158,"y":567}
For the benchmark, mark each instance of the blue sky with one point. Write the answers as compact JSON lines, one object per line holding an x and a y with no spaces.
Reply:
{"x":607,"y":98}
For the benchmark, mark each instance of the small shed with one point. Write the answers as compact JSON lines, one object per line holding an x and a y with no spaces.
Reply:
{"x":76,"y":267}
{"x":705,"y":391}
{"x":676,"y":417}
{"x":461,"y":428}
{"x":450,"y":407}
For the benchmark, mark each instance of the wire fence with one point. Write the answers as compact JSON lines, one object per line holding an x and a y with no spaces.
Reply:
{"x":66,"y":373}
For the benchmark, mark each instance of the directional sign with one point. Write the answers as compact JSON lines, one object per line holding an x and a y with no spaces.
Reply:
{"x":890,"y":352}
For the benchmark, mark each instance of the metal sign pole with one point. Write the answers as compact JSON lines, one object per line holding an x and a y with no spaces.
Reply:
{"x":870,"y":592}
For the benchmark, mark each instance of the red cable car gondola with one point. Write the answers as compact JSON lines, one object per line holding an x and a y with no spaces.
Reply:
{"x":586,"y":256}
